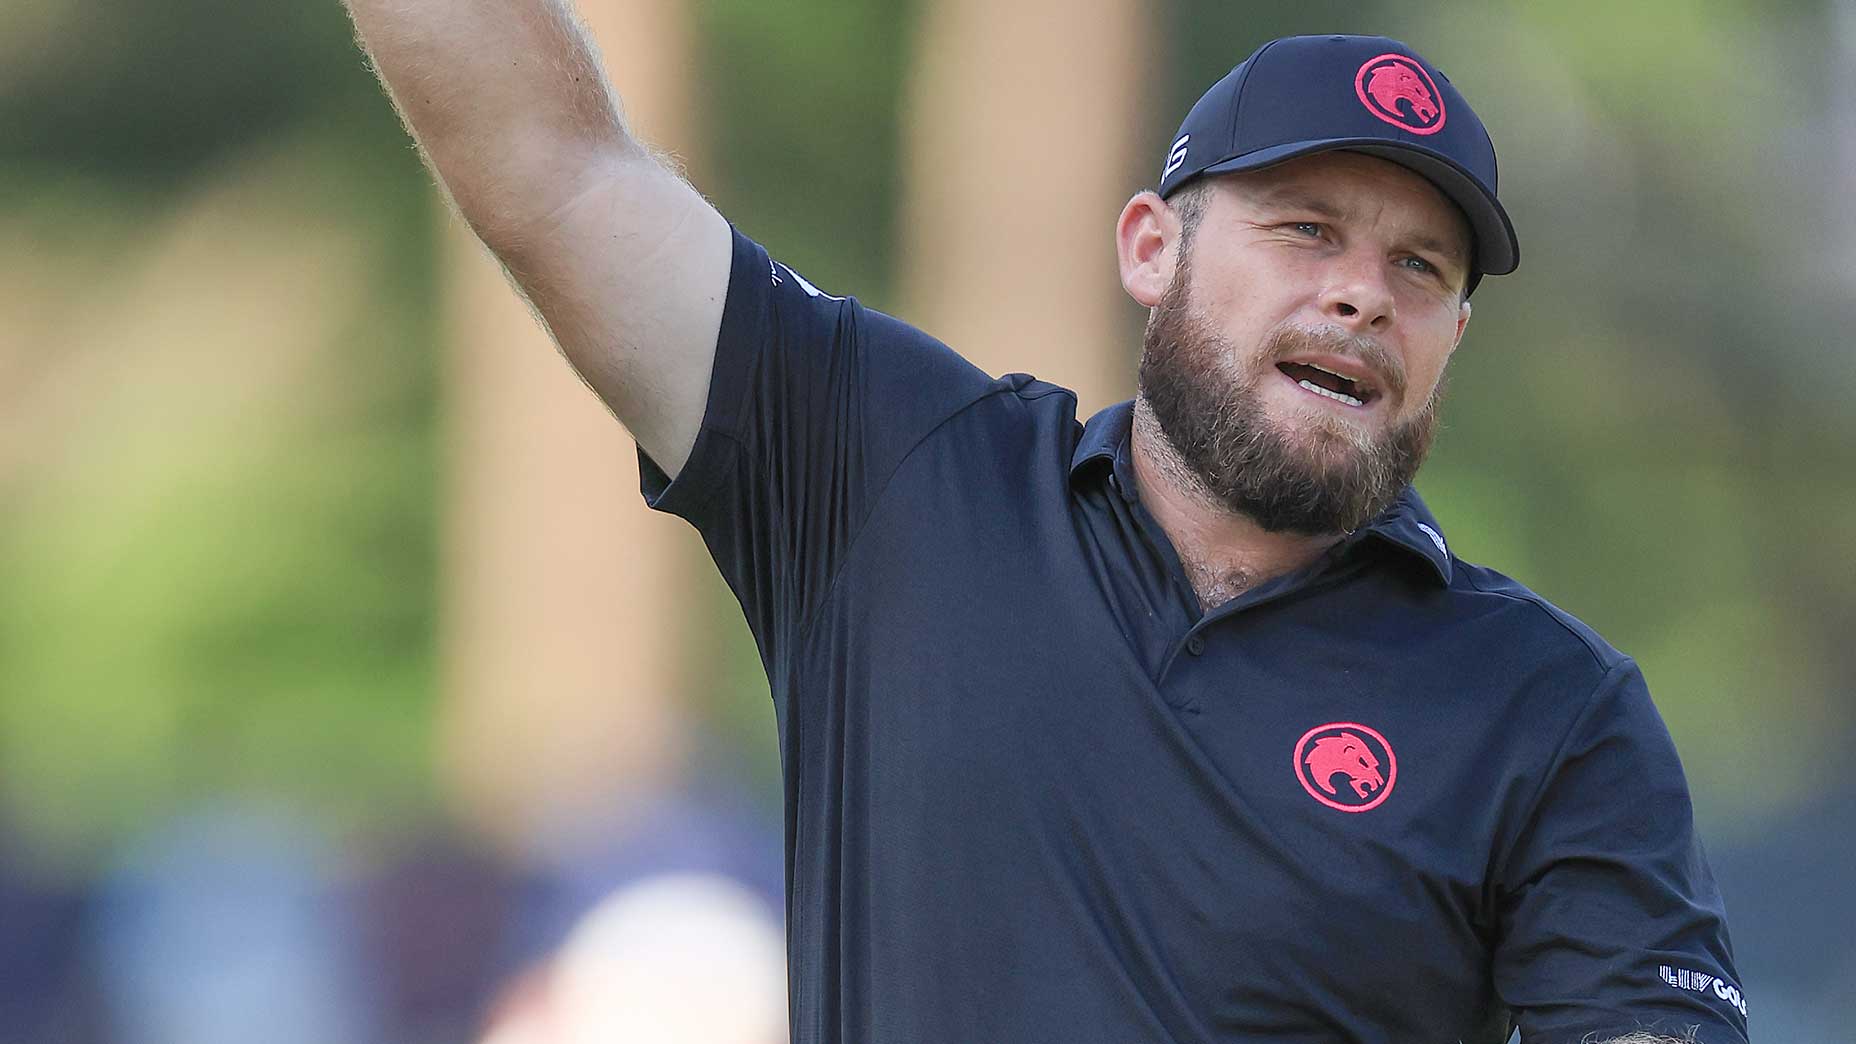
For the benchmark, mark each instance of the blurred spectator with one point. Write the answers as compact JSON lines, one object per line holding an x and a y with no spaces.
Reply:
{"x":1793,"y":917}
{"x":219,"y":928}
{"x":584,"y":853}
{"x":675,"y":958}
{"x":435,"y":919}
{"x":45,"y":991}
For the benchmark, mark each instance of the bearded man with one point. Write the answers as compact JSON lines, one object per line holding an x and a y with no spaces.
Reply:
{"x":1183,"y":724}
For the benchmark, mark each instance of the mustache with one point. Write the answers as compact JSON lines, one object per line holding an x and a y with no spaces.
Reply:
{"x":1387,"y":369}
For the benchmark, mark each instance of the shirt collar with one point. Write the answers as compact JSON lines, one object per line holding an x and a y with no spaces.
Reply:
{"x":1407,"y":525}
{"x":1105,"y":437}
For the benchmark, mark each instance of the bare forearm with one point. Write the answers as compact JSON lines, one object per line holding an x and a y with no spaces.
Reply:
{"x":506,"y":98}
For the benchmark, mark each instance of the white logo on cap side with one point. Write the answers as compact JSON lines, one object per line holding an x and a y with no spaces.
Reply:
{"x":1175,"y":157}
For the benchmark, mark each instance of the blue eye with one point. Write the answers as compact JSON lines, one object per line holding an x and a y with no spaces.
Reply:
{"x":1421,"y":265}
{"x":1309,"y":227}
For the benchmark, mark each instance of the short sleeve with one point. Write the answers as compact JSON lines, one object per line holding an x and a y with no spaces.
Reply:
{"x":1610,"y":919}
{"x":813,"y":403}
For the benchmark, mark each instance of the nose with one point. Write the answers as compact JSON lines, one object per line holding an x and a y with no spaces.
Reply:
{"x":1358,"y":297}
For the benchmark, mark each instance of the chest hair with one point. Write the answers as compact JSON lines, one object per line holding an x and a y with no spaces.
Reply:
{"x":1216,"y":586}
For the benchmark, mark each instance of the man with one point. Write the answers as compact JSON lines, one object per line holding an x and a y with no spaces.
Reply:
{"x":1179,"y":725}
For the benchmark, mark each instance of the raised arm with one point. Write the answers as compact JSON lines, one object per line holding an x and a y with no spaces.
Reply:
{"x":625,"y":263}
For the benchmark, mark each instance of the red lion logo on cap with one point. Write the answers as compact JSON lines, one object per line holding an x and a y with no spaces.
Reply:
{"x":1383,"y":82}
{"x":1351,"y":750}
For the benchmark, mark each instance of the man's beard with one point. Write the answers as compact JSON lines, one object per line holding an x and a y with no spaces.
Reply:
{"x":1327,"y":477}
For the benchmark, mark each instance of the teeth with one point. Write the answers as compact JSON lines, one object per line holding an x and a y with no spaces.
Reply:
{"x":1336,"y":396}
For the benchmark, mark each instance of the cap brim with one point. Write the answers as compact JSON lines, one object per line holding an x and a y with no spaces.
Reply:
{"x":1497,"y":250}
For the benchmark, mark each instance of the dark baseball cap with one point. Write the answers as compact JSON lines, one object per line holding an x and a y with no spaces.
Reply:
{"x":1306,"y":94}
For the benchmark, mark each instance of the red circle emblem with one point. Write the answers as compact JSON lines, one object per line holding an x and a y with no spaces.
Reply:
{"x":1345,"y":765}
{"x":1399,"y":91}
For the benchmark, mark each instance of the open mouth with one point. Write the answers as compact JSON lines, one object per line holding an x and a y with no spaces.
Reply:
{"x":1348,"y":391}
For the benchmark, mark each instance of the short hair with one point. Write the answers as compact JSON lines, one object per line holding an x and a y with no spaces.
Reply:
{"x":1189,"y":202}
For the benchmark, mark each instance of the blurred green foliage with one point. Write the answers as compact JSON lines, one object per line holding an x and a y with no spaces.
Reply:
{"x":198,"y":597}
{"x":1648,"y":423}
{"x":802,"y":98}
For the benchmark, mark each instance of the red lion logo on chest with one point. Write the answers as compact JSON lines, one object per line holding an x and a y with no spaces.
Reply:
{"x":1345,"y":753}
{"x":1358,"y":754}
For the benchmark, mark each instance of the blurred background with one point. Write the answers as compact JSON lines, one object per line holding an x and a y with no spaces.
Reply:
{"x":349,"y":692}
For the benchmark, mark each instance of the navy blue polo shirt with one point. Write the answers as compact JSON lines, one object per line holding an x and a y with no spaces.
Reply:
{"x":1034,"y":794}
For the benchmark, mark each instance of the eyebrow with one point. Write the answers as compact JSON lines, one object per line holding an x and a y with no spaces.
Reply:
{"x":1295,"y":199}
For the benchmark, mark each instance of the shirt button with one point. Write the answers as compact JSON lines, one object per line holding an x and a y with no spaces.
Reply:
{"x":1195,"y":645}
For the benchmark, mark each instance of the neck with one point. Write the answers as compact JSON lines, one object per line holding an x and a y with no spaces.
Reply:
{"x":1224,"y":552}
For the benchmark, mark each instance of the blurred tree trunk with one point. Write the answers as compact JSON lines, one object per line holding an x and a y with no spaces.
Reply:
{"x":1842,"y":105}
{"x":562,"y":605}
{"x":1024,"y":122}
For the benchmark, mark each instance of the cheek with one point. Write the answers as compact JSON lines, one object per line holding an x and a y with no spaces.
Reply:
{"x":1428,"y":347}
{"x":1424,"y":370}
{"x":1246,"y":301}
{"x":1248,"y":275}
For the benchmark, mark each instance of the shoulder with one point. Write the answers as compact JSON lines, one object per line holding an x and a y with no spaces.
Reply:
{"x":1531,"y":619}
{"x":1472,"y":615}
{"x":996,"y":418}
{"x":1501,"y":654}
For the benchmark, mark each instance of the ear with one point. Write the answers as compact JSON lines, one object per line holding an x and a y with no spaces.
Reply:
{"x":1146,"y":238}
{"x":1462,"y":323}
